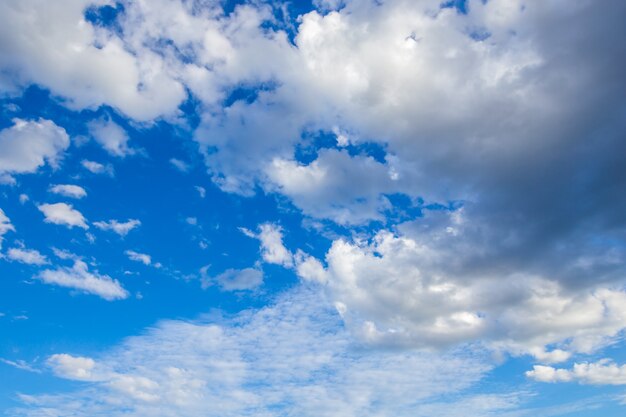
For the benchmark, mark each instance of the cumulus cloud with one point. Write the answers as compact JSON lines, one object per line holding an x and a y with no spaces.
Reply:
{"x":63,"y":214}
{"x":111,"y":136}
{"x":273,"y":250}
{"x":139,"y":257}
{"x":69,"y":190}
{"x":28,"y":145}
{"x":291,"y":358}
{"x":79,"y":278}
{"x":27,"y":256}
{"x":5,"y":226}
{"x":121,"y":228}
{"x":336,"y":186}
{"x":426,"y":287}
{"x":72,"y":367}
{"x":86,"y":65}
{"x":603,"y":372}
{"x":493,"y":110}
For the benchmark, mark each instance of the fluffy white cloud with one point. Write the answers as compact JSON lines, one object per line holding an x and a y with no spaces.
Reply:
{"x":28,"y":145}
{"x":121,"y":228}
{"x":69,"y":190}
{"x":272,"y":249}
{"x":79,"y":278}
{"x":58,"y":48}
{"x":426,"y":287}
{"x":63,"y":214}
{"x":27,"y":256}
{"x":5,"y":226}
{"x":72,"y":367}
{"x":111,"y":136}
{"x":139,"y":257}
{"x":335,"y":186}
{"x":290,"y":358}
{"x":603,"y":372}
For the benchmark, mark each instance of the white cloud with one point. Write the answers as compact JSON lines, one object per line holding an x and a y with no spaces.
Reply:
{"x":72,"y":367}
{"x":5,"y":226}
{"x":23,"y":198}
{"x":247,"y":279}
{"x":96,"y":167}
{"x":79,"y":278}
{"x":27,"y":256}
{"x":335,"y":186}
{"x":272,"y":249}
{"x":69,"y":190}
{"x":309,"y":268}
{"x":407,"y":290}
{"x":138,"y":257}
{"x":291,"y":358}
{"x":111,"y":136}
{"x":603,"y":372}
{"x":63,"y":214}
{"x":28,"y":145}
{"x":87,"y":65}
{"x":121,"y":228}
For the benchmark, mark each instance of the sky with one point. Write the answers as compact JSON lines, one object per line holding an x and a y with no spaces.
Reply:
{"x":326,"y":208}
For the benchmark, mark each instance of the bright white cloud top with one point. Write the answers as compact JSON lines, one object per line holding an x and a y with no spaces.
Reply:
{"x":79,"y":278}
{"x":63,"y":214}
{"x":408,"y":193}
{"x":69,"y":190}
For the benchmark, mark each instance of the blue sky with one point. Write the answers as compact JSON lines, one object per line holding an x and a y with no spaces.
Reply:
{"x":327,"y":208}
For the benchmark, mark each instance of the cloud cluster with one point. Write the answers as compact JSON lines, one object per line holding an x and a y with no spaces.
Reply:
{"x":290,"y":358}
{"x":603,"y":372}
{"x":79,"y":278}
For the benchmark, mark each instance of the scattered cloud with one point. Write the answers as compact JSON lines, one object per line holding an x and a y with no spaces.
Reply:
{"x":293,"y":357}
{"x":111,"y":136}
{"x":68,"y":190}
{"x":97,"y":168}
{"x":28,"y":145}
{"x":79,"y":278}
{"x":63,"y":214}
{"x":27,"y":256}
{"x":201,"y":191}
{"x":603,"y":372}
{"x":272,"y":249}
{"x":72,"y":367}
{"x":21,"y":364}
{"x":139,"y":257}
{"x":180,"y":165}
{"x":121,"y":228}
